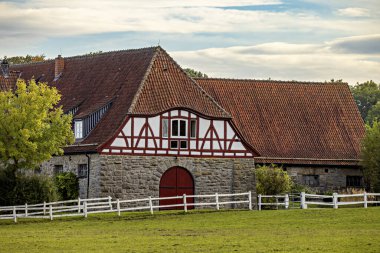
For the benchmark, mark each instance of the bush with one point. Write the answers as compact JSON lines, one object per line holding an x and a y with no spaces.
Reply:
{"x":297,"y":188}
{"x":67,"y":185}
{"x":272,"y":180}
{"x":18,"y":189}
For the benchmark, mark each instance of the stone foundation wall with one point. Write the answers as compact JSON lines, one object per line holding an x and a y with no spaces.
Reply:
{"x":330,"y":178}
{"x":131,"y":177}
{"x":71,"y":163}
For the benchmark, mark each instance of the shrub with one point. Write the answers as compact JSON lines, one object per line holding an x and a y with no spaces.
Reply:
{"x":301,"y":188}
{"x":18,"y":189}
{"x":67,"y":185}
{"x":272,"y":180}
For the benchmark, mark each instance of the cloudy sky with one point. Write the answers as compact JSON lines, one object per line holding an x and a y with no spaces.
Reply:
{"x":311,"y":40}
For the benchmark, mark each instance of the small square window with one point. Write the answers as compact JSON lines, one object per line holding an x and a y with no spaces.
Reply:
{"x":183,"y":144}
{"x":82,"y":170}
{"x":173,"y":144}
{"x":58,"y":169}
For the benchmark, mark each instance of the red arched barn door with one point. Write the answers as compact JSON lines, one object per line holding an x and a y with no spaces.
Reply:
{"x":176,"y":181}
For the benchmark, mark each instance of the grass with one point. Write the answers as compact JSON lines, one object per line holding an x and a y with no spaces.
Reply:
{"x":318,"y":230}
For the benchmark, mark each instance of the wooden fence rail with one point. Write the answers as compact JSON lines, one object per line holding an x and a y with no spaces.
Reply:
{"x":84,"y":207}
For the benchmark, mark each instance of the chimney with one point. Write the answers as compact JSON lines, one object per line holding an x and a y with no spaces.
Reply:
{"x":59,"y":65}
{"x":5,"y":67}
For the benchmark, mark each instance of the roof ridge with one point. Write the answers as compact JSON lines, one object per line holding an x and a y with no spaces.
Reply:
{"x":88,"y":55}
{"x":269,"y":81}
{"x":199,"y":86}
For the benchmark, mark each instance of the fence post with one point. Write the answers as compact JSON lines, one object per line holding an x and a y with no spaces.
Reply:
{"x":51,"y":211}
{"x":110,"y":202}
{"x":184,"y":203}
{"x":217,"y":201}
{"x":249,"y":200}
{"x":14,"y":214}
{"x":286,"y":201}
{"x":44,"y":208}
{"x":26,"y":209}
{"x":259,"y":202}
{"x":118,"y":207}
{"x":335,"y":200}
{"x":303,"y":201}
{"x":85,"y":208}
{"x":365,"y":200}
{"x":150,"y":205}
{"x":78,"y":205}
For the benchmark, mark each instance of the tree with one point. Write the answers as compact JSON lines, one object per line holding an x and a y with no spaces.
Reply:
{"x":371,"y":157}
{"x":374,"y":113}
{"x":366,"y":96}
{"x":32,"y":127}
{"x":272,"y":180}
{"x":194,"y":73}
{"x":26,"y":59}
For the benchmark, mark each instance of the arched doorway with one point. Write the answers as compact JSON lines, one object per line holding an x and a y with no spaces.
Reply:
{"x":176,"y":181}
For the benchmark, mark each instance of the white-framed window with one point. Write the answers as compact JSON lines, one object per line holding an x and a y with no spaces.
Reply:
{"x":78,"y":129}
{"x":165,"y":128}
{"x":179,"y":128}
{"x":82,"y":170}
{"x":193,"y":128}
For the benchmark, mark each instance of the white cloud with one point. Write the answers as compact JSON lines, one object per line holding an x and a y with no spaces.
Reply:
{"x":354,"y":12}
{"x":284,"y":61}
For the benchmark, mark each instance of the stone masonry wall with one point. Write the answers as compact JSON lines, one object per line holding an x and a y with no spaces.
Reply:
{"x":131,"y":177}
{"x":330,"y":178}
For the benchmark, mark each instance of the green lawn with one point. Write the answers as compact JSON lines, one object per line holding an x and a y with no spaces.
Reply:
{"x":318,"y":230}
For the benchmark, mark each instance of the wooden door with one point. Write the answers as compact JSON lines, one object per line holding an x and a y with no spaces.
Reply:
{"x":176,"y":181}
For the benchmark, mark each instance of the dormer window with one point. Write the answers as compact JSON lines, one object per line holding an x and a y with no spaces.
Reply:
{"x":78,"y":129}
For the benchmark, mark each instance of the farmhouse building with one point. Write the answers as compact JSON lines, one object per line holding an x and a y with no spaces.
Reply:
{"x":143,"y":127}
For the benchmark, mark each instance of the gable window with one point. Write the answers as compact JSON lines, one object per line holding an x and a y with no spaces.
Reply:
{"x":311,"y":180}
{"x":82,"y":170}
{"x":78,"y":129}
{"x":354,"y":181}
{"x":165,"y":127}
{"x":179,"y":128}
{"x":193,"y":128}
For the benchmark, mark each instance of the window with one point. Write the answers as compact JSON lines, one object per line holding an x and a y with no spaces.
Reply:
{"x":173,"y":144}
{"x":78,"y":129}
{"x":193,"y":128}
{"x":179,"y":128}
{"x":58,"y":169}
{"x":354,"y":181}
{"x":183,"y":144}
{"x":165,"y":127}
{"x":82,"y":170}
{"x":311,"y":180}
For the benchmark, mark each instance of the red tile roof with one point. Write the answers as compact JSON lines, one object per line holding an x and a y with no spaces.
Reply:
{"x":168,"y":86}
{"x":9,"y":83}
{"x":292,"y":119}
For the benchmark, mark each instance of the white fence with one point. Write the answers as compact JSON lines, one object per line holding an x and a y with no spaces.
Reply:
{"x":306,"y":199}
{"x":83,"y":207}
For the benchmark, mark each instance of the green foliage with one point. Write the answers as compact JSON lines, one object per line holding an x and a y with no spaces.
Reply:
{"x":272,"y":180}
{"x":32,"y":127}
{"x":194,"y":73}
{"x":301,"y":188}
{"x":374,"y":113}
{"x":371,"y":157}
{"x":366,"y":96}
{"x":26,"y":59}
{"x":20,"y":189}
{"x":67,"y":185}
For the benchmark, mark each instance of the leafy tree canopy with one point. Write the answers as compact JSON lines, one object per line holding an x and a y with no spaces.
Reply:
{"x":194,"y":73}
{"x":32,"y":127}
{"x":371,"y":157}
{"x":26,"y":59}
{"x":272,"y":180}
{"x":366,"y":96}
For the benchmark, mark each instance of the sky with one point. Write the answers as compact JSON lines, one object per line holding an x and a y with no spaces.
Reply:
{"x":304,"y":40}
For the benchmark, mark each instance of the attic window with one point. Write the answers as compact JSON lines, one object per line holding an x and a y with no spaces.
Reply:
{"x":78,"y":129}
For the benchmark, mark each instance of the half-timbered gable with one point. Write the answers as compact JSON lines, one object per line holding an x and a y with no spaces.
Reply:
{"x":177,"y":132}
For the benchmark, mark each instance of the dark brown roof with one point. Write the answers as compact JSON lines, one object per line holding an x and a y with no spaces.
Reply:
{"x":9,"y":83}
{"x":292,"y":119}
{"x":91,"y":82}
